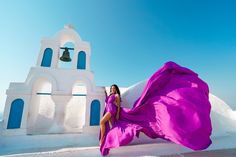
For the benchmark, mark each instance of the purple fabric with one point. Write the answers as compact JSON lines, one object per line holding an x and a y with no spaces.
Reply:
{"x":110,"y":106}
{"x":174,"y":105}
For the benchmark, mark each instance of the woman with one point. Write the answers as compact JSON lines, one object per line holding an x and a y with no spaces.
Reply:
{"x":112,"y":109}
{"x":174,"y":105}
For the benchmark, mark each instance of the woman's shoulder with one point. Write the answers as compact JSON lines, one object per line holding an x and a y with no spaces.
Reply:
{"x":117,"y":96}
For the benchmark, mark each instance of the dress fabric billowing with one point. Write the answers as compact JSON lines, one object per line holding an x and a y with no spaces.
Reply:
{"x":174,"y":105}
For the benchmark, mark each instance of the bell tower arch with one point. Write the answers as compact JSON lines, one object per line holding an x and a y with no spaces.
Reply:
{"x":81,"y":50}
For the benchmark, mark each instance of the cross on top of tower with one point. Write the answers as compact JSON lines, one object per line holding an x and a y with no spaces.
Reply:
{"x":70,"y":26}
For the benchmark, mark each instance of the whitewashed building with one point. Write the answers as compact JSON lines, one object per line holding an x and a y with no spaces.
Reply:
{"x":55,"y":97}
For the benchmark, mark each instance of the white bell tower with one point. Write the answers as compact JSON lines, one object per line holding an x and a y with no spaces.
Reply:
{"x":56,"y":99}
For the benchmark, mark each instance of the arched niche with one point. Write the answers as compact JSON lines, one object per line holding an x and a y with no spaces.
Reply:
{"x":63,"y":64}
{"x":75,"y":110}
{"x":41,"y":111}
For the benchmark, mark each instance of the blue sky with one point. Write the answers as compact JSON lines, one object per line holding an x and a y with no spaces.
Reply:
{"x":130,"y":39}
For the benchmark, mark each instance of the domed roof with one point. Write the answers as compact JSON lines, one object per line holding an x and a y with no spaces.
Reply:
{"x":68,"y":34}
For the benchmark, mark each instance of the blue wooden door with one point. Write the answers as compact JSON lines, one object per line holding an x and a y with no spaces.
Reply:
{"x":81,"y":64}
{"x":15,"y":115}
{"x":47,"y":58}
{"x":95,"y":113}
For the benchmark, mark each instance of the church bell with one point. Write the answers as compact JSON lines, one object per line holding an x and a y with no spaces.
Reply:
{"x":66,"y":54}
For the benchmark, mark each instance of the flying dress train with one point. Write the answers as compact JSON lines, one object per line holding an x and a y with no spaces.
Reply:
{"x":174,"y":105}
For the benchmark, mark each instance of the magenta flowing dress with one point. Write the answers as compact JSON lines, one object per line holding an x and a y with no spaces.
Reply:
{"x":174,"y":105}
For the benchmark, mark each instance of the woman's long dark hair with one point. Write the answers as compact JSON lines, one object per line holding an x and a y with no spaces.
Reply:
{"x":117,"y":90}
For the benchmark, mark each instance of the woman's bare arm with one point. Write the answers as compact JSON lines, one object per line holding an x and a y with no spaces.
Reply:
{"x":105,"y":93}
